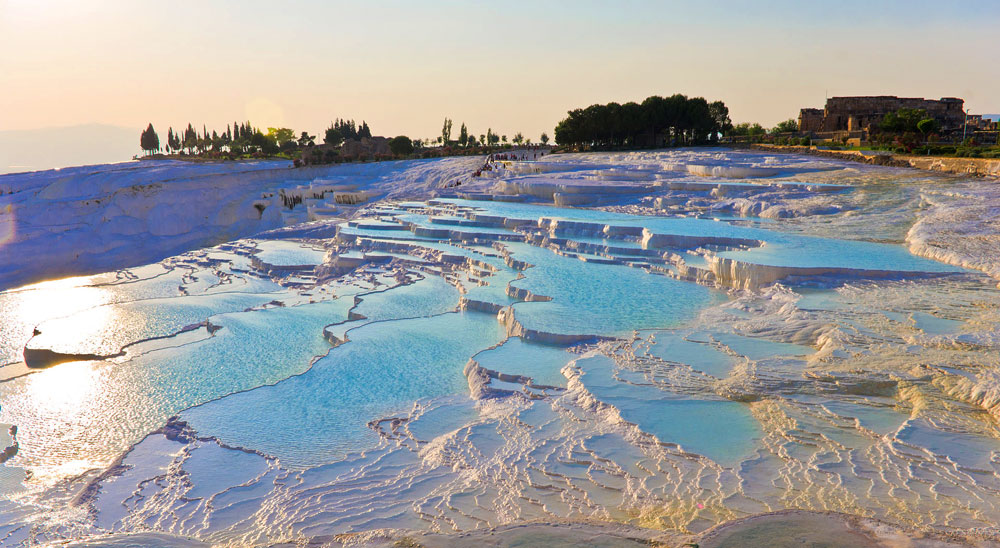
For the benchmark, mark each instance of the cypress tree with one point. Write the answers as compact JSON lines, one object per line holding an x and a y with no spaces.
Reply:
{"x":149,"y":140}
{"x":190,"y":137}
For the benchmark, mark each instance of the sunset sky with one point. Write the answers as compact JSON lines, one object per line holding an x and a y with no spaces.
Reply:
{"x":513,"y":66}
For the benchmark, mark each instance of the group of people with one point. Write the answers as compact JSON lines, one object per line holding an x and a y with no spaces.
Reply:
{"x":493,"y":161}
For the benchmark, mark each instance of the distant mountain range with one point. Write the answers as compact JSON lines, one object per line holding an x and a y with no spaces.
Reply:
{"x":47,"y":148}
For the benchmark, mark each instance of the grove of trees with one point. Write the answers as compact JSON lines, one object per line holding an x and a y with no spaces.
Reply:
{"x":904,"y":120}
{"x":468,"y":139}
{"x":657,"y":121}
{"x":345,"y":130}
{"x":238,"y":138}
{"x":906,"y":129}
{"x":746,"y":129}
{"x":242,"y":139}
{"x":788,"y":126}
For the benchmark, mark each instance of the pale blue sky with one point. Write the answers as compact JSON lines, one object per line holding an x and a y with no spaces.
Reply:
{"x":513,"y":66}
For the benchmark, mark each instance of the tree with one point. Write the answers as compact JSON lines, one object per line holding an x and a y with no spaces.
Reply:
{"x":746,"y":129}
{"x":364,"y":132}
{"x":463,"y":135}
{"x":175,"y":142}
{"x":491,"y":138}
{"x":632,"y":122}
{"x":544,"y":138}
{"x":401,"y":145}
{"x":268,"y":144}
{"x":482,"y":139}
{"x":280,"y":136}
{"x":788,"y":126}
{"x":446,"y":131}
{"x":190,"y":138}
{"x":904,"y":120}
{"x":518,"y":138}
{"x":333,"y":136}
{"x":659,"y":115}
{"x":928,"y":126}
{"x":720,"y":116}
{"x":306,"y":140}
{"x":504,"y":139}
{"x":697,"y":120}
{"x":676,"y":119}
{"x":149,"y":140}
{"x":347,"y":131}
{"x":170,"y":139}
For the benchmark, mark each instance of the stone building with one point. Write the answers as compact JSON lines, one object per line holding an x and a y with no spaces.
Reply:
{"x":976,"y":122}
{"x":853,"y":114}
{"x":811,"y":119}
{"x":366,"y":147}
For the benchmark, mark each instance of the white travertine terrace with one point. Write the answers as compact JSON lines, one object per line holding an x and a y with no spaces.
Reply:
{"x":694,"y":351}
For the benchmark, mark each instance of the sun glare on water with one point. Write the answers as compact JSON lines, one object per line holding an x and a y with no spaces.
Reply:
{"x":60,"y":297}
{"x":24,"y":309}
{"x":55,"y":411}
{"x":66,"y":390}
{"x":56,"y":403}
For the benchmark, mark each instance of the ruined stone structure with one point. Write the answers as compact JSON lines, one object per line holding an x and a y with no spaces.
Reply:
{"x":810,"y":118}
{"x":366,"y":147}
{"x":358,"y":149}
{"x":976,"y":122}
{"x":863,"y":113}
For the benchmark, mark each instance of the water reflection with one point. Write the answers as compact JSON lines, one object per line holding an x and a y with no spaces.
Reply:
{"x":71,"y":392}
{"x":65,"y":391}
{"x":25,"y":308}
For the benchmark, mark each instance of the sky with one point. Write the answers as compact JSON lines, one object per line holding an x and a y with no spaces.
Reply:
{"x":511,"y":66}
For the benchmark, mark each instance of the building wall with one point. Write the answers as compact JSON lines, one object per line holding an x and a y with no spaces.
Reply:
{"x":861,"y":113}
{"x":811,"y":119}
